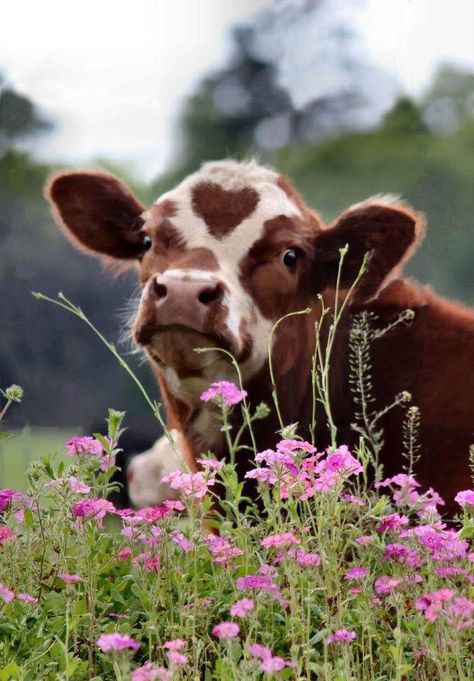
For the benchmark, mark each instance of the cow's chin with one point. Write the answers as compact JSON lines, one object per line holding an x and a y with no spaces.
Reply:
{"x":175,"y":347}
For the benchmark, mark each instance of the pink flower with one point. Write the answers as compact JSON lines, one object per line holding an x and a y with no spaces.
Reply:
{"x":124,"y":554}
{"x":221,"y":550}
{"x":26,"y":598}
{"x":180,"y":540}
{"x":242,"y":607}
{"x":259,"y":652}
{"x":403,"y":555}
{"x":342,"y":636}
{"x":262,"y":475}
{"x":226,"y":630}
{"x":365,"y":539}
{"x":465,"y":498}
{"x":191,"y":484}
{"x":6,"y":594}
{"x":77,"y":486}
{"x":5,"y":534}
{"x":83,"y":445}
{"x":290,"y":446}
{"x":173,"y":505}
{"x":260,"y":583}
{"x":6,"y":497}
{"x":385,"y":584}
{"x":357,"y":572}
{"x":148,"y":561}
{"x":174,"y":644}
{"x":272,"y":664}
{"x":343,"y":461}
{"x":351,"y":499}
{"x":69,"y":579}
{"x":94,"y":509}
{"x":305,"y":558}
{"x":283,"y":539}
{"x":460,"y":613}
{"x":214,"y":464}
{"x":150,"y":673}
{"x":107,"y":462}
{"x":112,"y":642}
{"x":431,"y":603}
{"x":177,"y":658}
{"x":223,"y":392}
{"x":392,"y":521}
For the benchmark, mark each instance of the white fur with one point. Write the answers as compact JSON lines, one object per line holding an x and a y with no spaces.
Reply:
{"x":146,"y":470}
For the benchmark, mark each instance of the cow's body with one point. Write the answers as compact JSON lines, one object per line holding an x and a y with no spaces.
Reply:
{"x":234,"y":248}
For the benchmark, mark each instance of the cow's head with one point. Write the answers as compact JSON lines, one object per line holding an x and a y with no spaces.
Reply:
{"x":224,"y":255}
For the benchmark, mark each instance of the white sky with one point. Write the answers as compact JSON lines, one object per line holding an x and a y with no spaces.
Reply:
{"x":113,"y":73}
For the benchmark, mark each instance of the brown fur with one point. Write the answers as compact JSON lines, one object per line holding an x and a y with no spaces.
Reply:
{"x":222,"y":210}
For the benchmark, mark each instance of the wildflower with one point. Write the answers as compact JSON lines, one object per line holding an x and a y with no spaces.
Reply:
{"x":365,"y":539}
{"x":242,"y":607}
{"x":173,"y":505}
{"x":83,"y":445}
{"x":465,"y":498}
{"x":403,"y":555}
{"x":260,"y":583}
{"x":226,"y":630}
{"x":77,"y":486}
{"x":112,"y":642}
{"x":283,"y":539}
{"x":124,"y":554}
{"x":6,"y":497}
{"x":180,"y":540}
{"x":305,"y":558}
{"x":351,"y":499}
{"x":460,"y":613}
{"x":342,"y":636}
{"x":177,"y":658}
{"x":213,"y":464}
{"x":223,"y":392}
{"x":5,"y":534}
{"x":107,"y":462}
{"x":26,"y":598}
{"x":174,"y":644}
{"x":150,"y":673}
{"x":6,"y":594}
{"x":221,"y":550}
{"x":272,"y":664}
{"x":385,"y":584}
{"x":392,"y":521}
{"x":442,"y":544}
{"x":69,"y":579}
{"x":191,"y":484}
{"x":258,"y":651}
{"x":262,"y":475}
{"x":357,"y":572}
{"x":342,"y":461}
{"x":148,"y":561}
{"x":290,"y":446}
{"x":431,"y":603}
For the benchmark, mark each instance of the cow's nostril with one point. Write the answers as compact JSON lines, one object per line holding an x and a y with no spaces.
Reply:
{"x":210,"y":295}
{"x":159,"y":290}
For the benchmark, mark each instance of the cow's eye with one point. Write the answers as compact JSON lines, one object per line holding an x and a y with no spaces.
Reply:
{"x":289,"y":258}
{"x":147,"y":242}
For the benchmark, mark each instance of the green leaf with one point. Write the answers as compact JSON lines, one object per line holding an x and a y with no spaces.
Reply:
{"x":9,"y":672}
{"x":5,"y":436}
{"x":29,"y":520}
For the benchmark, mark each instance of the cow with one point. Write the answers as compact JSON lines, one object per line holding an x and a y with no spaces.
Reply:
{"x":234,"y":248}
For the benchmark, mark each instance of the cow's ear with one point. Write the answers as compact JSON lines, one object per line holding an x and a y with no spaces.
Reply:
{"x":386,"y":229}
{"x":98,"y":212}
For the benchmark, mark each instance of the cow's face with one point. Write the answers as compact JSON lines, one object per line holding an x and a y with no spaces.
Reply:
{"x":224,"y":255}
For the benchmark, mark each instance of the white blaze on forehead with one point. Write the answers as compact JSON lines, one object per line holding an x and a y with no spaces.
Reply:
{"x":231,"y":248}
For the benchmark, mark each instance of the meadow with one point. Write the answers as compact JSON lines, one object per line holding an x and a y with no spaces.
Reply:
{"x":323,"y":576}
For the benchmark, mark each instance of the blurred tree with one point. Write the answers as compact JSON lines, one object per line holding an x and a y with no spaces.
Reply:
{"x":449,"y":101}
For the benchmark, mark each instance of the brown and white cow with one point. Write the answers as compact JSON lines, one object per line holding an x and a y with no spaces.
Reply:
{"x":231,"y":250}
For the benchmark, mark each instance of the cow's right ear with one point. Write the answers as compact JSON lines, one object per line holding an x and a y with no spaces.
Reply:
{"x":98,"y":212}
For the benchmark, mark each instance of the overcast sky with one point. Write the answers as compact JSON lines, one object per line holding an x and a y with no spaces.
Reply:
{"x":113,"y":73}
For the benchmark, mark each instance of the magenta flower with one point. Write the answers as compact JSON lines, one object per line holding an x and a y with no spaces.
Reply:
{"x":283,"y":539}
{"x":431,"y":603}
{"x":262,"y":475}
{"x":465,"y":498}
{"x":221,"y":550}
{"x":26,"y":598}
{"x":6,"y":594}
{"x":5,"y":534}
{"x":94,"y":509}
{"x":110,"y":643}
{"x":403,"y":555}
{"x":150,"y":673}
{"x":342,"y":636}
{"x":226,"y":630}
{"x":180,"y":540}
{"x":392,"y":521}
{"x":290,"y":446}
{"x":305,"y":558}
{"x":83,"y":445}
{"x":6,"y":497}
{"x":242,"y":607}
{"x":357,"y":572}
{"x":68,"y":578}
{"x":460,"y":613}
{"x":191,"y":484}
{"x":272,"y":664}
{"x":77,"y":486}
{"x":223,"y":392}
{"x":177,"y":658}
{"x":385,"y":584}
{"x":174,"y":644}
{"x":258,"y":651}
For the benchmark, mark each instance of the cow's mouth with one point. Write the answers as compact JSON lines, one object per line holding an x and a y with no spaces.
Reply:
{"x":184,"y":349}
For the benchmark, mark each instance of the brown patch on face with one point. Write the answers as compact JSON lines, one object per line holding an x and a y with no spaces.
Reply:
{"x":197,"y":259}
{"x":223,"y":210}
{"x":271,"y":284}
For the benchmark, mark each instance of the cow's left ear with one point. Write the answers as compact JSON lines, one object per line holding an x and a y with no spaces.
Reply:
{"x":388,"y":230}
